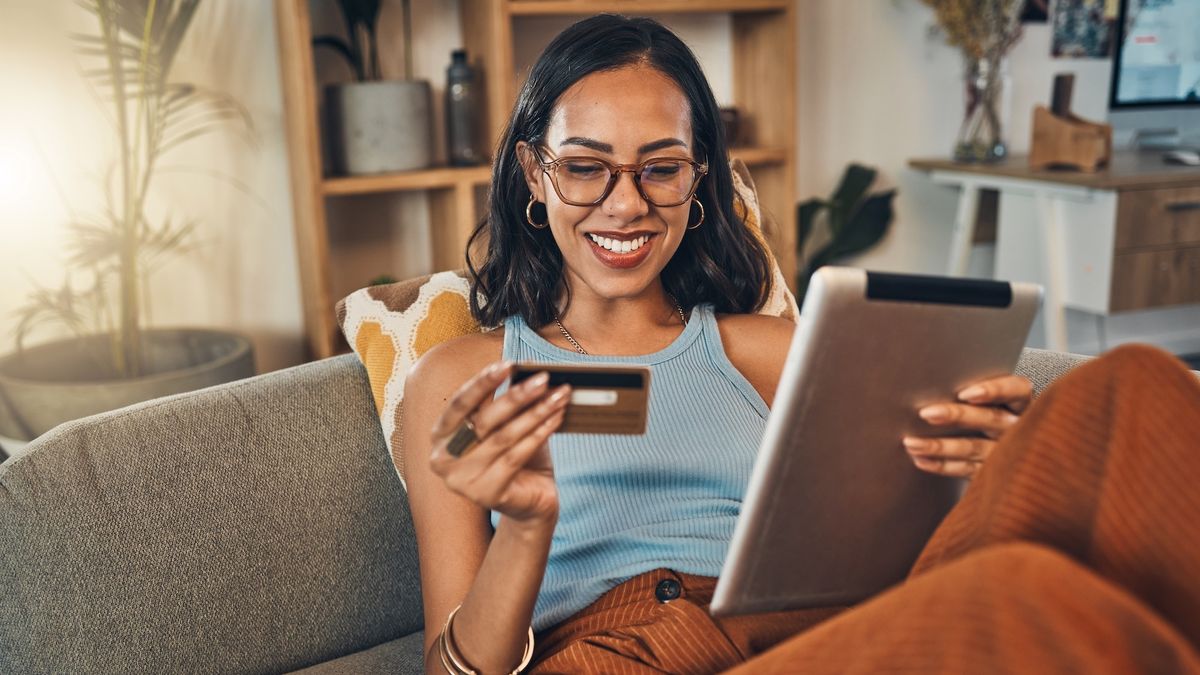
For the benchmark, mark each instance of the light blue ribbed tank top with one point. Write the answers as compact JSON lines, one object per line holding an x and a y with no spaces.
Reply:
{"x":667,"y":499}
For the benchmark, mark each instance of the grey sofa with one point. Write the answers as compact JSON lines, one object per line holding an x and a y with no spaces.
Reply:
{"x":253,"y":527}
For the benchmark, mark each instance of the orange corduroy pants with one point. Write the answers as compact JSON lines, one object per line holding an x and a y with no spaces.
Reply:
{"x":1076,"y":549}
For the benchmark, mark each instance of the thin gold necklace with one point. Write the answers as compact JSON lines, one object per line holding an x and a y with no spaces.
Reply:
{"x":581,"y":350}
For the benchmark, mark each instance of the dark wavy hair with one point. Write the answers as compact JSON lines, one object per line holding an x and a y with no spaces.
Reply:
{"x":520,"y":271}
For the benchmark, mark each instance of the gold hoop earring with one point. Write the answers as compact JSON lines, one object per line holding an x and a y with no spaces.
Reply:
{"x":697,"y":203}
{"x":529,"y":215}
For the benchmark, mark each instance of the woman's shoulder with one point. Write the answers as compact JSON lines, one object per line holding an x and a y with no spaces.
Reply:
{"x":757,"y":345}
{"x":755,"y":322}
{"x":448,"y":364}
{"x":755,"y":328}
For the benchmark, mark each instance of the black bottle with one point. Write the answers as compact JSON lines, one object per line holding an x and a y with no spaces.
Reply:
{"x":463,"y":103}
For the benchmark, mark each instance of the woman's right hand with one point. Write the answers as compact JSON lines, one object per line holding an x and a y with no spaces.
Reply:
{"x":509,"y":469}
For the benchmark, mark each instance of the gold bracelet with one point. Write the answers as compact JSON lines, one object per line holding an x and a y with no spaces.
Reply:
{"x":452,"y":659}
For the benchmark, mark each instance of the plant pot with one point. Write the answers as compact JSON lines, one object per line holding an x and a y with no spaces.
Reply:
{"x":376,"y":127}
{"x":46,"y":385}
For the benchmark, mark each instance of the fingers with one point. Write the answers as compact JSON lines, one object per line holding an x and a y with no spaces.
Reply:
{"x":501,"y":441}
{"x":514,"y":442}
{"x":954,"y":468}
{"x":497,"y":473}
{"x":474,"y":392}
{"x":497,"y":412}
{"x":951,"y":448}
{"x":991,"y":420}
{"x":495,"y":483}
{"x":960,"y":457}
{"x":1011,"y":391}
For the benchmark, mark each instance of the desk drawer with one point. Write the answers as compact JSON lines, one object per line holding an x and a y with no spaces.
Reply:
{"x":1158,"y":217}
{"x":1155,"y":279}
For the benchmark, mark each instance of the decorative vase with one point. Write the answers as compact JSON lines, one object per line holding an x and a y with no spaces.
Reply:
{"x":377,"y":127}
{"x":981,"y":137}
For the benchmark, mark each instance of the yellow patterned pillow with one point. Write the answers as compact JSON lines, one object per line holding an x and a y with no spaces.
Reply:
{"x":392,"y":326}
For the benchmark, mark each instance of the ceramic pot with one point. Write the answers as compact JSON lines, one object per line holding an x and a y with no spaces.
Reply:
{"x":378,"y":127}
{"x":52,"y":383}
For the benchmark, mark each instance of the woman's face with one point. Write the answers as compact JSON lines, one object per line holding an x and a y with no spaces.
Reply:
{"x":622,"y":116}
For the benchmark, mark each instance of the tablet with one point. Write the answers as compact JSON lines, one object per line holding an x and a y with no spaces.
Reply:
{"x":835,"y":510}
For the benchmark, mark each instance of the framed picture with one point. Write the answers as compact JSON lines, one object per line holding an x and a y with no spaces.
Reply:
{"x":1082,"y":29}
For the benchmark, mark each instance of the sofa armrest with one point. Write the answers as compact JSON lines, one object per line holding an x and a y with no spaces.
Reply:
{"x":256,"y":526}
{"x":1043,"y":367}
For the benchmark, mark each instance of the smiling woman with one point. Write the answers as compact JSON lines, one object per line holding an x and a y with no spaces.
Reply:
{"x":606,"y":100}
{"x":611,"y":238}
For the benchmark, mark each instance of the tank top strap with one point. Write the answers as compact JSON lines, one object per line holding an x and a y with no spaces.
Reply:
{"x":717,"y":356}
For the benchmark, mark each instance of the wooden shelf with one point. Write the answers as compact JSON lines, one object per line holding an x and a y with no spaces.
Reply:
{"x":425,"y":179}
{"x":642,"y":7}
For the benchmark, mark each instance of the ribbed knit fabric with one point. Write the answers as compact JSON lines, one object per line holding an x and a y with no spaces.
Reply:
{"x":1075,"y":550}
{"x":666,"y":499}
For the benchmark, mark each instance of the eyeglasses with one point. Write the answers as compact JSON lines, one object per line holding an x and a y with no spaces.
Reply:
{"x":587,"y":181}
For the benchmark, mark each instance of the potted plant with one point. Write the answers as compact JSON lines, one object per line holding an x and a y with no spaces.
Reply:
{"x":375,"y":125}
{"x":851,"y":221}
{"x":113,"y":359}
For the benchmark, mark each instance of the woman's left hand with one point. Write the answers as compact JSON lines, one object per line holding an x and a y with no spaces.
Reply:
{"x":990,"y":407}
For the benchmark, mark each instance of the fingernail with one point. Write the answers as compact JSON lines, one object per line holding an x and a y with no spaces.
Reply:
{"x":934,"y":413}
{"x":972,"y":392}
{"x":928,"y":462}
{"x":537,"y":381}
{"x":914,"y":444}
{"x":561,"y":394}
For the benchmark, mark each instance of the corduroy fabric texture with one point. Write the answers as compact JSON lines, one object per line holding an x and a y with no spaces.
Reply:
{"x":630,"y":630}
{"x":1076,"y":549}
{"x":248,"y":528}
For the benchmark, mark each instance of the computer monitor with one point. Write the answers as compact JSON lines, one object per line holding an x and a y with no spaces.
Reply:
{"x":1154,"y":100}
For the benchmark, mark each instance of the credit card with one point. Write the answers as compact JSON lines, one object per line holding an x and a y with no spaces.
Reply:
{"x":604,"y":399}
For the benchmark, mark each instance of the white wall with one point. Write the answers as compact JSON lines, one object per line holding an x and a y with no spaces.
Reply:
{"x":877,"y":87}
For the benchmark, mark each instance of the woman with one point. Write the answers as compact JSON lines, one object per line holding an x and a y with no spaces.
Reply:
{"x":586,"y":264}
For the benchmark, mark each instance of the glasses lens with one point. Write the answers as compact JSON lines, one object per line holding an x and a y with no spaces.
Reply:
{"x":582,"y":180}
{"x":668,"y":182}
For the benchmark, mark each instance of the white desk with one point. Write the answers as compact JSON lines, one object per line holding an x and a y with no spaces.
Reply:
{"x":1121,"y":239}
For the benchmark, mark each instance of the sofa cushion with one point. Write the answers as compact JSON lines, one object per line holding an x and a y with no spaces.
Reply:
{"x":391,"y":326}
{"x":405,"y":656}
{"x":251,"y":527}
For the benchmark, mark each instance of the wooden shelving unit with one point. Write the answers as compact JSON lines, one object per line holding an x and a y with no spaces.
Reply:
{"x":764,"y":76}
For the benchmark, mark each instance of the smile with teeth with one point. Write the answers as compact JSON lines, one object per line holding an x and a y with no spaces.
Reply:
{"x":619,"y":246}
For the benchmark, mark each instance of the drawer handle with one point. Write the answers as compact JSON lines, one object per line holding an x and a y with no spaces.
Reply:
{"x":1183,"y":206}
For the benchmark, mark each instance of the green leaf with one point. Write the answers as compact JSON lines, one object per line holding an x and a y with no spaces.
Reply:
{"x":182,"y":100}
{"x":806,"y":215}
{"x":91,"y":244}
{"x":167,"y":238}
{"x":47,"y":305}
{"x":869,"y":224}
{"x":854,"y":185}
